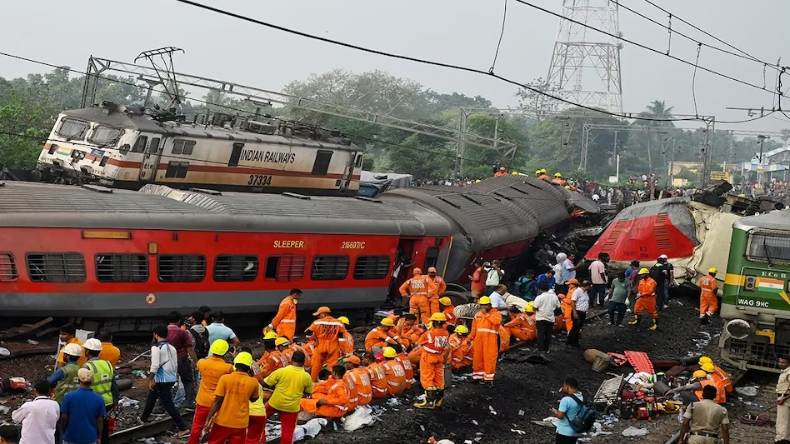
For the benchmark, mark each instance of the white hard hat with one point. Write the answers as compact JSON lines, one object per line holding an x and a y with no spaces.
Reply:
{"x":92,"y":344}
{"x":663,"y":256}
{"x":73,"y":349}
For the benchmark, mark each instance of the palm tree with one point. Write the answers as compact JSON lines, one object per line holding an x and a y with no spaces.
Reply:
{"x":658,"y":109}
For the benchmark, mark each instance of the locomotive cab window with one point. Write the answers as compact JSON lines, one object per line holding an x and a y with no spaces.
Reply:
{"x":330,"y":268}
{"x":771,"y":247}
{"x":286,"y":267}
{"x":184,"y":147}
{"x":56,"y":267}
{"x":372,"y":267}
{"x":321,"y":165}
{"x":431,"y":257}
{"x":154,"y":147}
{"x":235,"y":268}
{"x":182,"y":268}
{"x":72,"y":129}
{"x":8,"y":271}
{"x":139,"y":145}
{"x":113,"y":267}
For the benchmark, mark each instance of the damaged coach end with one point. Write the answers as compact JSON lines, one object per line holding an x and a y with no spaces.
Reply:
{"x":756,"y":305}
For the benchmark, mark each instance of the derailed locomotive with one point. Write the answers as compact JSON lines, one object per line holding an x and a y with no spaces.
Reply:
{"x":96,"y":252}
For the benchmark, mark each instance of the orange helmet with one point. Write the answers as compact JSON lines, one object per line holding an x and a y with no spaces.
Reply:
{"x":322,"y":310}
{"x":572,"y":282}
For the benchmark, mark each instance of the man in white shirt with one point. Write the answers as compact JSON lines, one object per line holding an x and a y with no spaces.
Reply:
{"x":580,"y":301}
{"x":38,"y":417}
{"x":498,"y":300}
{"x":544,"y":305}
{"x":494,"y":276}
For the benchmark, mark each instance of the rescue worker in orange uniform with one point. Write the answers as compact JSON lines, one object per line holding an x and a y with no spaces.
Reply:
{"x":542,"y":174}
{"x":293,"y":348}
{"x":523,"y":326}
{"x":434,"y":344}
{"x":484,"y":336}
{"x":327,"y":332}
{"x":567,"y":303}
{"x":378,"y":379}
{"x":330,"y":397}
{"x":448,"y":309}
{"x":504,"y":339}
{"x":408,"y":330}
{"x":394,"y":372}
{"x":417,"y":289}
{"x":347,"y":340}
{"x":460,"y":348}
{"x":271,"y":360}
{"x":403,"y":358}
{"x":437,"y":288}
{"x":692,"y":392}
{"x":385,"y":335}
{"x":284,"y":323}
{"x":558,"y":179}
{"x":351,"y":388}
{"x":717,"y":372}
{"x":361,"y":379}
{"x":501,"y":173}
{"x":646,"y":299}
{"x":708,"y":301}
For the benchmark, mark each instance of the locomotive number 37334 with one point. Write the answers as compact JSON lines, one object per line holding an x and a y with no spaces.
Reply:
{"x":257,"y":179}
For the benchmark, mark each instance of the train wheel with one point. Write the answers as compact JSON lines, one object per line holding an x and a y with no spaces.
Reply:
{"x":36,"y":176}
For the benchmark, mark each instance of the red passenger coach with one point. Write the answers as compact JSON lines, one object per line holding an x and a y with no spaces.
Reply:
{"x":98,"y":253}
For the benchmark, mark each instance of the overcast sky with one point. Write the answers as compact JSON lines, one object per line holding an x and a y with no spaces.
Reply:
{"x":462,"y":32}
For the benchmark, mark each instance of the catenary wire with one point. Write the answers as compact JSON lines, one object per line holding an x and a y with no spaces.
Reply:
{"x":499,"y":43}
{"x":639,"y":45}
{"x":435,"y":63}
{"x":743,"y":54}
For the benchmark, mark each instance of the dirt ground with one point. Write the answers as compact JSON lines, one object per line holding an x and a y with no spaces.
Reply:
{"x":522,"y":392}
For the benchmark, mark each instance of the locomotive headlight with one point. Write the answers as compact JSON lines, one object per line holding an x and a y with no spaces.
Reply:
{"x":738,"y":329}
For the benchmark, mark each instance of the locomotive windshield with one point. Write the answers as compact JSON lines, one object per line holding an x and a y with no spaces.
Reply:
{"x":105,"y":135}
{"x":772,"y":247}
{"x":72,"y":129}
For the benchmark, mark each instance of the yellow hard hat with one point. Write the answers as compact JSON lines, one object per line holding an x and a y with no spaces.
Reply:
{"x":219,"y":347}
{"x":705,"y":360}
{"x":537,"y":172}
{"x":270,"y":335}
{"x":644,"y":271}
{"x":439,"y":317}
{"x":387,"y":322}
{"x":478,"y":181}
{"x":515,"y":173}
{"x":567,"y":187}
{"x":543,"y":170}
{"x":485,"y":300}
{"x":445,"y":301}
{"x":557,"y":175}
{"x":708,"y":367}
{"x":343,"y":319}
{"x":243,"y":358}
{"x":390,"y":352}
{"x":417,"y":271}
{"x":530,"y":308}
{"x":699,"y":374}
{"x":713,"y":270}
{"x":461,"y":330}
{"x":281,"y":341}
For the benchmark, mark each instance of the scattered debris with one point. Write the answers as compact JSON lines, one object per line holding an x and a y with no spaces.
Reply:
{"x":633,"y":431}
{"x":747,"y":391}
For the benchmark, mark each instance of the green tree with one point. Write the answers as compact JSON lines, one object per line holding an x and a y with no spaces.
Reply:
{"x":535,"y":100}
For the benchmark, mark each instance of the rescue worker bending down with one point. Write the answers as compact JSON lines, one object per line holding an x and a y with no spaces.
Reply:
{"x":417,"y":289}
{"x":327,"y":331}
{"x":378,"y":379}
{"x":692,"y":392}
{"x":385,"y":335}
{"x":461,"y":353}
{"x":330,"y":398}
{"x":708,"y":300}
{"x":523,"y":326}
{"x":394,"y":372}
{"x":434,"y":344}
{"x":447,"y":307}
{"x":408,"y":330}
{"x":485,"y":337}
{"x":436,"y":288}
{"x":717,"y":372}
{"x":703,"y":420}
{"x":645,"y":299}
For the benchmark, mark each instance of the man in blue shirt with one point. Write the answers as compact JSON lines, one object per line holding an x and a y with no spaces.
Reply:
{"x":548,"y":278}
{"x":567,"y":412}
{"x":218,"y":330}
{"x":82,"y":412}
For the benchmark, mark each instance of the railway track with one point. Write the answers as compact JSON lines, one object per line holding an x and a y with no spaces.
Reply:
{"x":150,"y":430}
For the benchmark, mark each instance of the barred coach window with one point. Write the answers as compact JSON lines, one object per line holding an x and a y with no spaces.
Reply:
{"x":235,"y":268}
{"x":372,"y":267}
{"x":182,"y":267}
{"x":285,"y":267}
{"x":114,"y":267}
{"x":56,"y":267}
{"x":330,"y":268}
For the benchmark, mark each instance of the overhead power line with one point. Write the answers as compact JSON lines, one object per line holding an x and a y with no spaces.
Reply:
{"x":425,"y":62}
{"x":640,"y":45}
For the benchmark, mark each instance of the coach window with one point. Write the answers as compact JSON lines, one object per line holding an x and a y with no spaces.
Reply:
{"x":286,"y":267}
{"x":321,"y":165}
{"x":372,"y":267}
{"x":182,"y":267}
{"x":153,"y":148}
{"x":235,"y":268}
{"x":139,"y":145}
{"x":330,"y":268}
{"x":114,"y":267}
{"x":184,"y":147}
{"x":7,"y":268}
{"x":431,"y":257}
{"x":56,"y":267}
{"x":176,"y":169}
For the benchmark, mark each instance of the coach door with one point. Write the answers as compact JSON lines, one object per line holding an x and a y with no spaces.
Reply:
{"x":150,"y":162}
{"x":235,"y":154}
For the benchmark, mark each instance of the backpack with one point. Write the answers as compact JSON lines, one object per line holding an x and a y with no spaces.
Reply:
{"x":200,"y":341}
{"x":584,"y":420}
{"x":657,"y":273}
{"x":522,"y":284}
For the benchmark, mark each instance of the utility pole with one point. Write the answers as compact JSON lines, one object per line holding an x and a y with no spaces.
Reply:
{"x":761,"y":138}
{"x":615,"y":149}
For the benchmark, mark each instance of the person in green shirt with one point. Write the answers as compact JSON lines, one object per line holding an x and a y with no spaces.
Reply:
{"x":619,"y":292}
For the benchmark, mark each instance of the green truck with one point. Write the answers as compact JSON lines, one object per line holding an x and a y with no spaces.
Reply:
{"x":756,"y":297}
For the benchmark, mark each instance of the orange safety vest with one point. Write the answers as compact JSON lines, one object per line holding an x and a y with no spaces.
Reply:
{"x":449,"y":313}
{"x":378,"y":380}
{"x":351,"y":388}
{"x":708,"y":286}
{"x":286,"y":314}
{"x":404,"y":361}
{"x":418,"y":286}
{"x":721,"y":395}
{"x":434,"y":341}
{"x":646,"y":288}
{"x":437,"y":287}
{"x":396,"y":377}
{"x":361,"y":380}
{"x":379,"y":338}
{"x":293,"y":348}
